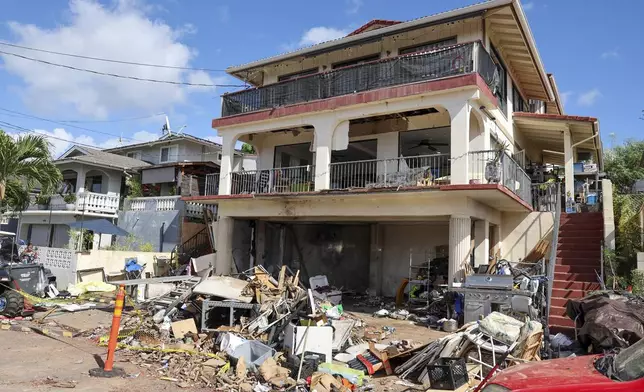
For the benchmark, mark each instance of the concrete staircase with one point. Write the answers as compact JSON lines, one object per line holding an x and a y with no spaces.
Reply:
{"x":578,"y":257}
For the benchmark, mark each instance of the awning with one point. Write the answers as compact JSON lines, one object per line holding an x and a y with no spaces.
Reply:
{"x":546,"y":134}
{"x":102,"y":226}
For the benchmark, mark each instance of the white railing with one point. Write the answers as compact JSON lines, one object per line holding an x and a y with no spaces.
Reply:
{"x":97,"y":202}
{"x":279,"y":180}
{"x":196,"y":210}
{"x":156,"y":203}
{"x":88,"y":201}
{"x":498,"y":167}
{"x":421,"y":170}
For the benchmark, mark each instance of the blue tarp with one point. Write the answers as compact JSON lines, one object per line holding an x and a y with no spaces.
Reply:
{"x":102,"y":226}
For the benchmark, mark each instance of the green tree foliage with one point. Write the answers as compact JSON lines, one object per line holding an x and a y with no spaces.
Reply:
{"x":24,"y":163}
{"x":624,"y":165}
{"x":248,"y":149}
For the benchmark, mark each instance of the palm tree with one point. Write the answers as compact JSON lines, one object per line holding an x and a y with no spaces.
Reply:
{"x":25,"y":162}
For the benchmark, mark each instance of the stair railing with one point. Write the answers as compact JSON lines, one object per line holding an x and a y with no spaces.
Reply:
{"x":553,"y":258}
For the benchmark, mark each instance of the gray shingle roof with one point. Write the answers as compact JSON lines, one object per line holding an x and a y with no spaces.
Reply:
{"x":102,"y":158}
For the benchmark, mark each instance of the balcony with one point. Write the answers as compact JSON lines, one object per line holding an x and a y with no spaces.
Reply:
{"x":280,"y":180}
{"x":423,"y":170}
{"x":166,"y":203}
{"x":456,"y":60}
{"x":495,"y":167}
{"x":88,"y":202}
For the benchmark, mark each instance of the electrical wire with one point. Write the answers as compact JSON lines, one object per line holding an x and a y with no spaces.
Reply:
{"x":66,"y":124}
{"x":118,"y":75}
{"x":73,"y":142}
{"x":112,"y":121}
{"x":111,"y":60}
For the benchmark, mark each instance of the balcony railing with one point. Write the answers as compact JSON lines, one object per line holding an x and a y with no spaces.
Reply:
{"x":423,"y":170}
{"x":280,"y":180}
{"x":496,"y":167}
{"x":455,"y":60}
{"x":87,"y":201}
{"x":159,"y":203}
{"x":212,"y":184}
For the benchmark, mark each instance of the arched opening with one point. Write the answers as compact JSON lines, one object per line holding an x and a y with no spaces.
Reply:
{"x":409,"y":148}
{"x":96,"y":181}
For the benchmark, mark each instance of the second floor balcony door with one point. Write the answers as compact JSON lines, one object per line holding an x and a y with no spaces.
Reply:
{"x":355,"y":167}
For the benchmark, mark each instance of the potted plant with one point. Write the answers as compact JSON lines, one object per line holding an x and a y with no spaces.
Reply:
{"x":493,"y":166}
{"x":70,"y":201}
{"x":42,"y":201}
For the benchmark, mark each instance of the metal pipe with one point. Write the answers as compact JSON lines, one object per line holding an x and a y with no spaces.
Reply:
{"x":585,"y":140}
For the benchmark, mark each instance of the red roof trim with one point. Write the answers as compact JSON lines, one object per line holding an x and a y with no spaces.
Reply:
{"x":392,"y":190}
{"x":374,"y":22}
{"x":554,"y":116}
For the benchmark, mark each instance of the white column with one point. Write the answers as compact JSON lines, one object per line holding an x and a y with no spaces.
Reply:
{"x":224,"y":244}
{"x":609,"y":215}
{"x":568,"y":161}
{"x":323,"y":146}
{"x":460,"y":229}
{"x":227,"y":156}
{"x":80,"y":179}
{"x":459,"y":142}
{"x":481,"y":242}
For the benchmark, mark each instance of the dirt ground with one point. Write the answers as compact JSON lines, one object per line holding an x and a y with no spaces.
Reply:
{"x":31,"y":362}
{"x":29,"y":359}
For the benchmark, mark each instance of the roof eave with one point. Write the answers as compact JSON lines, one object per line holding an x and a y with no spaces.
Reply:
{"x":325,"y":46}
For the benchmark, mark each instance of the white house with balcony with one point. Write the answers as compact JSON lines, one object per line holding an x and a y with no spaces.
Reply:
{"x":402,"y":143}
{"x":93,"y":184}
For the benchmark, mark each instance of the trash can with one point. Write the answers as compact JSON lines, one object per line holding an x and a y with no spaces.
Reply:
{"x":31,"y":278}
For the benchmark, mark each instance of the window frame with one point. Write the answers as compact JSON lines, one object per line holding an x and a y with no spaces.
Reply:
{"x":137,"y":152}
{"x":502,"y":95}
{"x":298,"y":74}
{"x":170,"y":147}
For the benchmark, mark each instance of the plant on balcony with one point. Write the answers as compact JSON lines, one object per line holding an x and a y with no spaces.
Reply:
{"x":70,"y":201}
{"x":42,"y":201}
{"x":26,"y":161}
{"x":493,"y":166}
{"x":134,"y":188}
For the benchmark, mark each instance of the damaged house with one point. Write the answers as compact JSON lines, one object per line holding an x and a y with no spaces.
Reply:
{"x":431,"y":143}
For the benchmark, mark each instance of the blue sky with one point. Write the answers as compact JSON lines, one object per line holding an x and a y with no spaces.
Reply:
{"x":595,"y":52}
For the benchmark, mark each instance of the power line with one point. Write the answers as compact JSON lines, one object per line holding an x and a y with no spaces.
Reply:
{"x":111,"y":60}
{"x":112,"y":121}
{"x":66,"y":124}
{"x":119,"y":76}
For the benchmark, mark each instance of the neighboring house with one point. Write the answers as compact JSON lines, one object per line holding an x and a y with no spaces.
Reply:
{"x":179,"y":164}
{"x":97,"y":178}
{"x":638,"y":187}
{"x":374,"y":150}
{"x":167,"y":168}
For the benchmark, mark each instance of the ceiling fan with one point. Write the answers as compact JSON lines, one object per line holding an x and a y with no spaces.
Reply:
{"x":428,"y":144}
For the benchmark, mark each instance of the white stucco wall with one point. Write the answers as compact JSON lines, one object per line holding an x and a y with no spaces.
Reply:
{"x":520,"y":232}
{"x":114,"y":261}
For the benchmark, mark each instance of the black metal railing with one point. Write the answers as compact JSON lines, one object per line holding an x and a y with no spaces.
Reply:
{"x":197,"y":245}
{"x":444,"y":62}
{"x":422,"y":170}
{"x":212,"y":184}
{"x":498,"y":167}
{"x":544,"y":196}
{"x":278,"y":180}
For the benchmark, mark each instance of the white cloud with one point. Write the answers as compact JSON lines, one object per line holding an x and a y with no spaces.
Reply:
{"x":353,"y":6}
{"x":528,"y":5}
{"x":565,"y":97}
{"x":589,"y":97}
{"x":610,"y":54}
{"x":316,"y":35}
{"x":122,"y":31}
